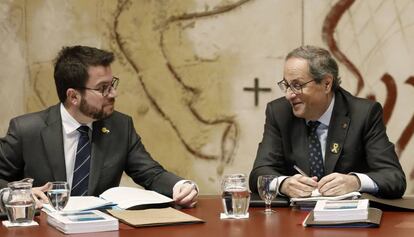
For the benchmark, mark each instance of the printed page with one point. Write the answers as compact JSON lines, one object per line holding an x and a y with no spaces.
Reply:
{"x":81,"y":203}
{"x":127,"y":197}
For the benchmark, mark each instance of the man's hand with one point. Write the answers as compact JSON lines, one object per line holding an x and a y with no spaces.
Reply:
{"x":185,"y":194}
{"x":299,"y":186}
{"x":39,"y":195}
{"x":337,"y":184}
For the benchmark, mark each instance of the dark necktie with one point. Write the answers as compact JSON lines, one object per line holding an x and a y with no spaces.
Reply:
{"x":315,"y":151}
{"x":82,"y":163}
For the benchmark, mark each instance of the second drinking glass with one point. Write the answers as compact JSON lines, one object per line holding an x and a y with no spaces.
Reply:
{"x":267,"y":185}
{"x":58,"y":194}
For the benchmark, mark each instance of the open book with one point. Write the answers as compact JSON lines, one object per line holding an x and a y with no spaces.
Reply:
{"x":121,"y":197}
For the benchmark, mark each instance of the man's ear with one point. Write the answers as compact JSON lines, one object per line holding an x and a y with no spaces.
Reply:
{"x":73,"y":96}
{"x":328,"y":83}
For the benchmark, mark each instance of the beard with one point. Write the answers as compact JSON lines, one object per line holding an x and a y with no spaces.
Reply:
{"x":94,"y":112}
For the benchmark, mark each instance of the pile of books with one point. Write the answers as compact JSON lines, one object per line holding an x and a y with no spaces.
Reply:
{"x":342,"y":210}
{"x":343,"y":213}
{"x":82,"y":222}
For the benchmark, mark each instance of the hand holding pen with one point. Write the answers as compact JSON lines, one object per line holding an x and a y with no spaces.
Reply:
{"x":300,"y":171}
{"x":299,"y":185}
{"x":303,"y":173}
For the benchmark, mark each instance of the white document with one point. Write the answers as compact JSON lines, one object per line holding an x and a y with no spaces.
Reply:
{"x":81,"y":203}
{"x":316,"y":196}
{"x":127,"y":197}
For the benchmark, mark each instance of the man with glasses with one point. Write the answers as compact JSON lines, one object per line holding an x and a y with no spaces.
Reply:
{"x":83,"y":140}
{"x":320,"y":137}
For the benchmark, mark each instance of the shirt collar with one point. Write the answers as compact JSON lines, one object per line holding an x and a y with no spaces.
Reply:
{"x":68,"y":122}
{"x":326,"y":117}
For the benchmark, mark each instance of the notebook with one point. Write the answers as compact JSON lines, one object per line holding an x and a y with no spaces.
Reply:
{"x":279,"y":201}
{"x":154,"y":217}
{"x":406,"y":203}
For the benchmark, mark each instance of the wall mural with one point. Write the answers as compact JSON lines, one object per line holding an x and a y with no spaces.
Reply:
{"x":329,"y":28}
{"x":224,"y":125}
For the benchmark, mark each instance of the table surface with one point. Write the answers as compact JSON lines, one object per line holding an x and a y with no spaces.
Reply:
{"x":283,"y":222}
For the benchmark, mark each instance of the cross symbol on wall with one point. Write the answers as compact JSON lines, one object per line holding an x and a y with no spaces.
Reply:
{"x":256,"y":89}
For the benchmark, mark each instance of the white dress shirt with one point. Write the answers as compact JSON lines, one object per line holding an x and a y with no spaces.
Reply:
{"x":70,"y":140}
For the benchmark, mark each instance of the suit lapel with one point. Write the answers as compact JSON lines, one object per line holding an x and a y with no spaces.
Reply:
{"x":53,"y":143}
{"x":299,"y":143}
{"x":338,"y":129}
{"x":100,"y":140}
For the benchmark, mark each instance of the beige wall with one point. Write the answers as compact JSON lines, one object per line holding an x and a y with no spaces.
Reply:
{"x":183,"y":65}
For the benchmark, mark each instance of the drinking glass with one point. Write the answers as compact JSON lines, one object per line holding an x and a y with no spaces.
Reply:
{"x":235,"y":195}
{"x":267,"y":191}
{"x":58,"y":194}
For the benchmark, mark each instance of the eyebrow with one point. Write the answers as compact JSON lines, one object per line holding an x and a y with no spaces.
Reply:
{"x":103,"y":83}
{"x":294,"y":80}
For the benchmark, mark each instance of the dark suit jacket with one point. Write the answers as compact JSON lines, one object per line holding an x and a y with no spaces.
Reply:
{"x":356,"y":126}
{"x":33,"y":147}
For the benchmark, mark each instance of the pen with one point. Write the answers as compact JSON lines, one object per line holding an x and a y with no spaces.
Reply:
{"x":300,"y":171}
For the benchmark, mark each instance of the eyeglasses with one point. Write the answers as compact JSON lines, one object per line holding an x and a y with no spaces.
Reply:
{"x":296,"y":87}
{"x":104,"y":89}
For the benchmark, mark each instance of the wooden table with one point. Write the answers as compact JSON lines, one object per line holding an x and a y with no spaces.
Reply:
{"x":284,"y":222}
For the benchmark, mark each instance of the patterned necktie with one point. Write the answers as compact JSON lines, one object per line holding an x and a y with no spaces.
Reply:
{"x":315,"y":151}
{"x":82,"y":163}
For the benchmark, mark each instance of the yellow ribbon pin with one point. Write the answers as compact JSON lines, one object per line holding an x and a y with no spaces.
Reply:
{"x":335,"y":148}
{"x":105,"y":130}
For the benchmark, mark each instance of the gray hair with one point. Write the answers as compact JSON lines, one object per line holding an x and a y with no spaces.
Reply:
{"x":320,"y":62}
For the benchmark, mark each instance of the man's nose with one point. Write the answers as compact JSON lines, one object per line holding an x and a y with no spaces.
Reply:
{"x":112,"y":93}
{"x":289,"y":95}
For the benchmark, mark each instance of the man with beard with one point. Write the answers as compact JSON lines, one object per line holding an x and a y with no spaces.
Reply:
{"x":83,"y":140}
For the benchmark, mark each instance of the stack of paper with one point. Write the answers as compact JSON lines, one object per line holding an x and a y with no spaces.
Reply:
{"x":310,"y":202}
{"x":342,"y":210}
{"x":82,"y":222}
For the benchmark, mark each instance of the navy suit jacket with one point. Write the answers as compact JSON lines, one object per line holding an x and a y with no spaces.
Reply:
{"x":356,"y":129}
{"x":33,"y":147}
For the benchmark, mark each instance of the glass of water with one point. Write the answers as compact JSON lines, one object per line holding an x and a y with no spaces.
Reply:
{"x":58,"y":194}
{"x":235,"y":195}
{"x":267,"y":185}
